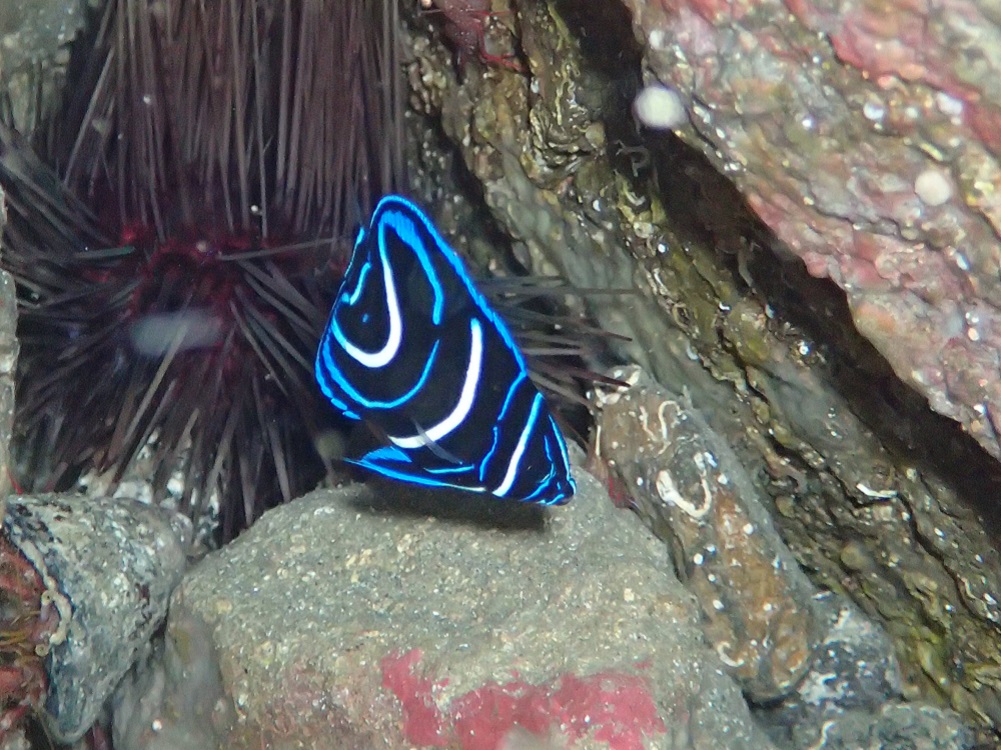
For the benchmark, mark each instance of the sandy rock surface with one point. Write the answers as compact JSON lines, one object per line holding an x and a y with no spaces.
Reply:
{"x":373,"y":617}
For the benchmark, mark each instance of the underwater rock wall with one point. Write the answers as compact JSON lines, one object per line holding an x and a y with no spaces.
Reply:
{"x":865,"y":136}
{"x":870,"y":162}
{"x":878,"y":497}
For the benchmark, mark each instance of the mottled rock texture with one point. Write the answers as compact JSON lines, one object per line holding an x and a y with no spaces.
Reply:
{"x":866,"y":136}
{"x":761,"y":612}
{"x":897,"y":728}
{"x":878,"y":497}
{"x":34,"y":51}
{"x":108,"y":567}
{"x":8,"y":364}
{"x":805,"y":657}
{"x":369,"y":617}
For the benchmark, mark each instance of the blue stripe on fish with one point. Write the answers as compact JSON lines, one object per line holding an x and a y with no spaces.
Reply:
{"x":413,"y":348}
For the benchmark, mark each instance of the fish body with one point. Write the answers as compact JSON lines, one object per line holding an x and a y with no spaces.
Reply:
{"x":413,"y":349}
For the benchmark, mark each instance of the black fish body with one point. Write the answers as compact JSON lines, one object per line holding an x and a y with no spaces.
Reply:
{"x":413,"y":348}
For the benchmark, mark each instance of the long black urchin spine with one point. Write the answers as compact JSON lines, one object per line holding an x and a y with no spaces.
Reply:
{"x":173,"y":236}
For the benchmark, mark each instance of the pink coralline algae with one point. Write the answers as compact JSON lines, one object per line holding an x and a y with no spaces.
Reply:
{"x":422,"y":719}
{"x":865,"y":134}
{"x":615,"y":708}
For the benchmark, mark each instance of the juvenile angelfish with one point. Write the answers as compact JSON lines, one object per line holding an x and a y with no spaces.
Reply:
{"x":413,"y":349}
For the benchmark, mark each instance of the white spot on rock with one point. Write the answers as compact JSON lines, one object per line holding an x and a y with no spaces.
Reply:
{"x":874,"y":111}
{"x":933,"y":187}
{"x":948,"y":105}
{"x":668,"y":492}
{"x":659,"y":107}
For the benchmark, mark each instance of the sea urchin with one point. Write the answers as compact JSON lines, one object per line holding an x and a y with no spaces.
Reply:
{"x":172,"y":229}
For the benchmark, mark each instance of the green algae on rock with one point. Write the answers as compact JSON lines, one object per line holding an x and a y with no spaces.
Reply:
{"x":768,"y":355}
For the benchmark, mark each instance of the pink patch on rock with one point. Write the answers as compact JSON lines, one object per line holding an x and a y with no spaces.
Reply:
{"x":894,"y":41}
{"x":422,"y":719}
{"x":985,"y":120}
{"x":718,"y":11}
{"x":613,"y":707}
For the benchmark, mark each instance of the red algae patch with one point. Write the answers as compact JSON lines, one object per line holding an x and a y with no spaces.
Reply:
{"x":615,"y":708}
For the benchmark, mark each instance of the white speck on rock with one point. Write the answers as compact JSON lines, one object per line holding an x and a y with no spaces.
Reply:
{"x":874,"y":111}
{"x":948,"y":105}
{"x":668,"y":492}
{"x":933,"y":187}
{"x":659,"y":107}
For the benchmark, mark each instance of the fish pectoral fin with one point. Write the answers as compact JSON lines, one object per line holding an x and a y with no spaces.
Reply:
{"x":436,"y":447}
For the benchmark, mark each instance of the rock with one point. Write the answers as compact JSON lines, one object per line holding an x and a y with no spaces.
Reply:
{"x":878,"y":497}
{"x":762,"y":613}
{"x":898,"y":727}
{"x":35,"y":39}
{"x":108,"y":567}
{"x":870,"y":147}
{"x":31,"y":33}
{"x":378,"y":616}
{"x":15,"y":741}
{"x":806,"y":658}
{"x":8,"y":363}
{"x":854,"y":671}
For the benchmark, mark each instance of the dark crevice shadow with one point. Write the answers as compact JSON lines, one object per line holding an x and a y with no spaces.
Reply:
{"x":389,"y":498}
{"x":707,"y":210}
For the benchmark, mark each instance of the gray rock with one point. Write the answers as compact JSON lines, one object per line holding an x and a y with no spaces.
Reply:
{"x":15,"y":740}
{"x":34,"y":51}
{"x":35,"y":31}
{"x":853,"y":670}
{"x":9,"y":349}
{"x":378,"y":616}
{"x":897,"y":727}
{"x":108,"y":567}
{"x":8,"y":363}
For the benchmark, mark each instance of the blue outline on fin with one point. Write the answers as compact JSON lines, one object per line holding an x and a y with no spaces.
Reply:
{"x":330,"y":366}
{"x":414,"y":478}
{"x":405,"y":219}
{"x":500,"y":419}
{"x":479,"y":301}
{"x":353,"y":297}
{"x":407,"y":232}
